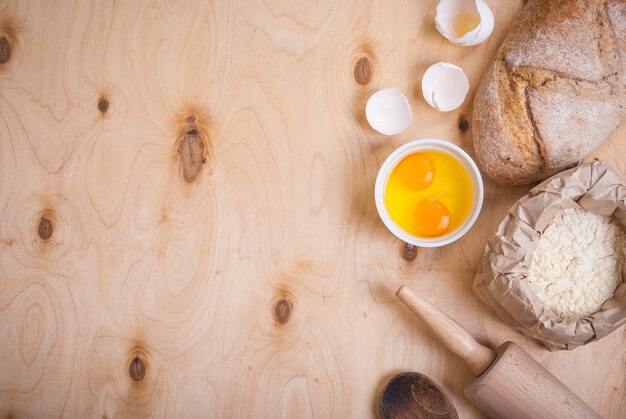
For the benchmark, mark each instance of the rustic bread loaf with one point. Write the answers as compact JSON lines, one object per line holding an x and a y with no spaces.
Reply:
{"x":555,"y":91}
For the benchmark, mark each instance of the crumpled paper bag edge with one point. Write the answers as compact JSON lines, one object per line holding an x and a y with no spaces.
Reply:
{"x":594,"y":186}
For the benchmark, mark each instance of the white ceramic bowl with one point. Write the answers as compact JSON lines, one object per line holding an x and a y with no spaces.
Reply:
{"x":422,"y":145}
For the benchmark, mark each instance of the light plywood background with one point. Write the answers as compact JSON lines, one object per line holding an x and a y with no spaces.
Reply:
{"x":256,"y":283}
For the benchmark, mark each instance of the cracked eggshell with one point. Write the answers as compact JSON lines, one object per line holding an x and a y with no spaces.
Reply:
{"x":459,"y":13}
{"x":388,"y":111}
{"x":444,"y":86}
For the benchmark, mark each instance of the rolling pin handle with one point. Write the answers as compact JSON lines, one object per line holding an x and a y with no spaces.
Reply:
{"x":448,"y":331}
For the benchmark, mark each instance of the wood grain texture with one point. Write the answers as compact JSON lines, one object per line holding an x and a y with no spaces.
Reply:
{"x":411,"y":395}
{"x":241,"y":270}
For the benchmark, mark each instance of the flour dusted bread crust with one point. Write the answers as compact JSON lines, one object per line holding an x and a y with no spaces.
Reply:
{"x":555,"y":91}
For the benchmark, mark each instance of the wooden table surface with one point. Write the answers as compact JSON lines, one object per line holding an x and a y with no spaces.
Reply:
{"x":187,"y":222}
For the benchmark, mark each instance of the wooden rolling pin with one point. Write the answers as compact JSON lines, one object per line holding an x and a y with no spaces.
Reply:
{"x":509,"y":383}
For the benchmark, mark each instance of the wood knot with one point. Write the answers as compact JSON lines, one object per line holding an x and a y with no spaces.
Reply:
{"x":103,"y":105}
{"x":463,"y":124}
{"x":363,"y":71}
{"x":5,"y":50}
{"x":409,"y":252}
{"x":191,"y":150}
{"x":282,"y":310}
{"x":137,"y":369}
{"x":45,"y":228}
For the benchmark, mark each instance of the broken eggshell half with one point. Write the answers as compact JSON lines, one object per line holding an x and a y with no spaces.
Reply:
{"x":388,"y":111}
{"x":464,"y":22}
{"x":444,"y":86}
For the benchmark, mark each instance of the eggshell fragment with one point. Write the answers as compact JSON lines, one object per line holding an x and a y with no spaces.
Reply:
{"x":444,"y":86}
{"x":388,"y":111}
{"x":453,"y":14}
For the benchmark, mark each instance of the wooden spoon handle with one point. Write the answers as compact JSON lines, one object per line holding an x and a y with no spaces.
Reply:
{"x":449,"y":332}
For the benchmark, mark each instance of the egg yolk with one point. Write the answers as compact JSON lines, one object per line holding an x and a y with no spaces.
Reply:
{"x":428,"y":194}
{"x":432,"y":217}
{"x":417,"y":171}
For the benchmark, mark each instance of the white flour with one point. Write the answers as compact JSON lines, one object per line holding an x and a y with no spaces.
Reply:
{"x":578,"y":263}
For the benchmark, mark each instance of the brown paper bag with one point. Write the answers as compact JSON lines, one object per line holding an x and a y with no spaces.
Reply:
{"x":501,"y":278}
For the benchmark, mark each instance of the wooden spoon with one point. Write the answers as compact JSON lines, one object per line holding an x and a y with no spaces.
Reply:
{"x":414,"y":395}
